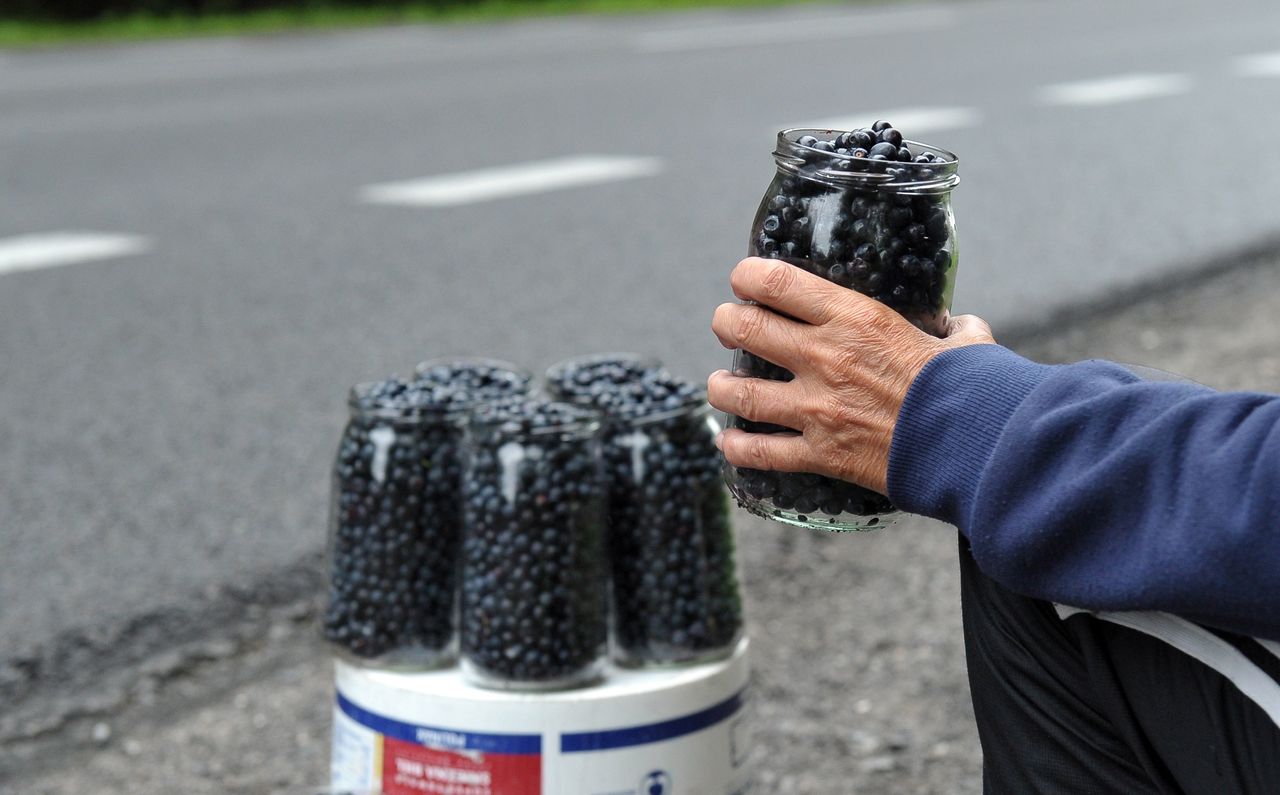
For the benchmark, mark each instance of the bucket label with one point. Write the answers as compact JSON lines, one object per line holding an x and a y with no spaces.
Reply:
{"x":412,"y":768}
{"x":426,"y":760}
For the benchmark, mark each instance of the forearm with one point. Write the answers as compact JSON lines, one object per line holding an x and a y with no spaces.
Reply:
{"x":1086,"y":485}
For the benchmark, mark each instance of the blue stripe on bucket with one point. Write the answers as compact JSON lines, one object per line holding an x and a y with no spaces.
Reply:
{"x":441,"y":738}
{"x":651,"y":732}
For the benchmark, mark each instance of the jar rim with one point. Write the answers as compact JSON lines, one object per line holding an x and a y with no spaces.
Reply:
{"x":915,"y":178}
{"x":564,"y":365}
{"x":696,"y":405}
{"x":498,"y":364}
{"x":406,"y":414}
{"x":584,"y":421}
{"x":519,"y":377}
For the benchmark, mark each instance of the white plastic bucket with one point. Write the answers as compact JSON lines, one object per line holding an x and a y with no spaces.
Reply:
{"x":680,"y":731}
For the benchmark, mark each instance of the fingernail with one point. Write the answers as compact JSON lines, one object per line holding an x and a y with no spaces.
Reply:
{"x":719,"y":440}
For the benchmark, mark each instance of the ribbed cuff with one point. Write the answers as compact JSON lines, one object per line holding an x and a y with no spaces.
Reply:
{"x":950,"y":423}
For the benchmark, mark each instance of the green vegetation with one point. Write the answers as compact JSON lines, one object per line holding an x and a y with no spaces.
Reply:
{"x":150,"y":25}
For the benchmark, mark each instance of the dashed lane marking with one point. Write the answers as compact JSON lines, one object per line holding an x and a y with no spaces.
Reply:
{"x":1261,"y":65}
{"x":1115,"y":90}
{"x":515,"y":180}
{"x":52,"y":249}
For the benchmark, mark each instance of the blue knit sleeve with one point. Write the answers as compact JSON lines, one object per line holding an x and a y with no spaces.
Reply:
{"x":1087,"y":485}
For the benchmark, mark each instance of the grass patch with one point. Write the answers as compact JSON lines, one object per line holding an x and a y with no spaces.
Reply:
{"x":23,"y":34}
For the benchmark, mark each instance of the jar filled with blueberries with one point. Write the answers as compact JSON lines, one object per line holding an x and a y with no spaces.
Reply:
{"x":396,"y":513}
{"x":533,"y":609}
{"x":871,"y":212}
{"x":674,"y":588}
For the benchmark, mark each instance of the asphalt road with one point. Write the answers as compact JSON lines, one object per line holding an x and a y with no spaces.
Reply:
{"x":167,"y":418}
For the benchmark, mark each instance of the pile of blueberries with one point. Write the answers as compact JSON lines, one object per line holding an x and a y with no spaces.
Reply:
{"x":396,"y":512}
{"x":533,"y":578}
{"x":675,"y":589}
{"x":852,"y":209}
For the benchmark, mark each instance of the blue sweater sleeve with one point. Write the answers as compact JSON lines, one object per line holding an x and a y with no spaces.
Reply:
{"x":1087,"y":485}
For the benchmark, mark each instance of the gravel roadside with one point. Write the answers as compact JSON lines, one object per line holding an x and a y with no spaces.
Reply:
{"x":858,"y":657}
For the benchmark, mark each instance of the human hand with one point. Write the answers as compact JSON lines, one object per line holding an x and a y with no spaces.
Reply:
{"x":853,"y":358}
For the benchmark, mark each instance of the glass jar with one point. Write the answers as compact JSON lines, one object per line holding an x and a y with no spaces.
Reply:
{"x":533,"y":609}
{"x":674,"y":585}
{"x":883,"y":228}
{"x":396,"y":512}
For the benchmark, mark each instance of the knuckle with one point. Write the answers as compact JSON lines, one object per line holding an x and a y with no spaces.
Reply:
{"x":833,"y":307}
{"x":835,"y":415}
{"x":758,"y":451}
{"x":827,"y":358}
{"x":878,"y":318}
{"x":748,"y":325}
{"x":776,"y":281}
{"x":746,"y":398}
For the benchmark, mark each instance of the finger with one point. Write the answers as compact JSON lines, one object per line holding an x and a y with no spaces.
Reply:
{"x":763,"y":332}
{"x":969,"y":330}
{"x":754,"y":399}
{"x":780,"y":452}
{"x":788,"y":289}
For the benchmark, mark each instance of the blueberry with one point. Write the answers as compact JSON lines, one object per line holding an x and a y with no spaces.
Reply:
{"x":862,"y":139}
{"x":898,"y":217}
{"x":890,"y":136}
{"x":807,"y":140}
{"x":885,"y":150}
{"x":936,"y":224}
{"x":880,"y":126}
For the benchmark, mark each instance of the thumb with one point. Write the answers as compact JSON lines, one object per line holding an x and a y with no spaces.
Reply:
{"x":969,"y":330}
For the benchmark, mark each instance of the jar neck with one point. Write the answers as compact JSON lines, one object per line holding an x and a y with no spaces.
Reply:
{"x":842,"y":171}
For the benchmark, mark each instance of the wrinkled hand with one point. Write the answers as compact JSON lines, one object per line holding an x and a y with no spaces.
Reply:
{"x":854,"y":360}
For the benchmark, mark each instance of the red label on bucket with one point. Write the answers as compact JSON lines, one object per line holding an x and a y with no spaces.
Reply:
{"x":412,"y":769}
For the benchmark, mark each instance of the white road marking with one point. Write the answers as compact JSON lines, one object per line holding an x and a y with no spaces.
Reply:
{"x":1114,"y":90}
{"x":752,"y":34}
{"x":515,"y":180}
{"x":51,"y":249}
{"x":913,"y":120}
{"x":1261,"y":65}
